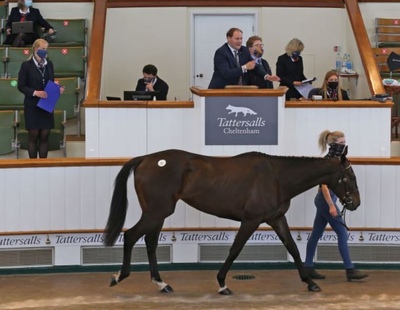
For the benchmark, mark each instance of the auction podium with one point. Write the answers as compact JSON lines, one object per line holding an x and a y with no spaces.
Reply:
{"x":238,"y":120}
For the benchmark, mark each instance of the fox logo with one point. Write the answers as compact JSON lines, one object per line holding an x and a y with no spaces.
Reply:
{"x":237,"y":110}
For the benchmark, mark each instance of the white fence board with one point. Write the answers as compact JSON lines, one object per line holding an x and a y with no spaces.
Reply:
{"x":74,"y":198}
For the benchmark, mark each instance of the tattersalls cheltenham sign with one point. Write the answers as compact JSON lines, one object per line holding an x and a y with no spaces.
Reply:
{"x":241,"y":121}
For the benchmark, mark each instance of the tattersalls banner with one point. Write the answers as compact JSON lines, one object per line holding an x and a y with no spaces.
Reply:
{"x":241,"y":121}
{"x":203,"y":237}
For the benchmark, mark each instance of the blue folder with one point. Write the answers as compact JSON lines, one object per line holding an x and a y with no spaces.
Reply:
{"x":53,"y":93}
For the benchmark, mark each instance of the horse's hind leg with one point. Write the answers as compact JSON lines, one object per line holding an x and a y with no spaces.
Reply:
{"x":247,"y":228}
{"x":145,"y":225}
{"x":282,"y":229}
{"x":151,"y":240}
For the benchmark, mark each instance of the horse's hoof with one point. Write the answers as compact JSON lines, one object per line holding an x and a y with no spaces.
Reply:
{"x":314,"y":288}
{"x":225,"y":291}
{"x":167,"y":289}
{"x":113,"y":282}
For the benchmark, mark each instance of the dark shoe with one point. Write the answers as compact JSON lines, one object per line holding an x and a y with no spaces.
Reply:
{"x":354,"y":274}
{"x":313,"y":274}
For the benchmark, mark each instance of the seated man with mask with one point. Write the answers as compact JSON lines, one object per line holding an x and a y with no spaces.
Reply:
{"x":151,"y":82}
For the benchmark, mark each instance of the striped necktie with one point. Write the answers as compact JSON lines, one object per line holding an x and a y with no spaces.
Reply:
{"x":238,"y":63}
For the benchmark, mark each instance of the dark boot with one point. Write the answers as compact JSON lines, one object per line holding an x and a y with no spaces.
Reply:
{"x":354,"y":274}
{"x":313,"y":274}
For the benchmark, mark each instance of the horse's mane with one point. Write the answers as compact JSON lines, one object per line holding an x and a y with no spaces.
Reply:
{"x":268,"y":156}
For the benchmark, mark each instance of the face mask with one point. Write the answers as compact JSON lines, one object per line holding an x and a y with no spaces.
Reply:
{"x":335,"y":149}
{"x":295,"y":55}
{"x":42,"y":53}
{"x":28,"y":3}
{"x":333,"y":85}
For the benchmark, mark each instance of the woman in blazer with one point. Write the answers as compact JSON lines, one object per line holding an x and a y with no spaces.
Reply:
{"x":32,"y":79}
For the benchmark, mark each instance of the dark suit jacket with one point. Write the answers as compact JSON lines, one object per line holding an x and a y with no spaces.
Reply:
{"x":256,"y":76}
{"x":290,"y":71}
{"x":34,"y":15}
{"x":159,"y":86}
{"x":226,"y":69}
{"x":30,"y":79}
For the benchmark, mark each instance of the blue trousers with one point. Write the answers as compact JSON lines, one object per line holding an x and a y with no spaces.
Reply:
{"x":322,"y":218}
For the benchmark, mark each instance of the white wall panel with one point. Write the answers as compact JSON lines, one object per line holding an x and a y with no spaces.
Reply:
{"x":122,"y":132}
{"x":73,"y":193}
{"x":73,"y":198}
{"x":104,"y":179}
{"x":372,"y":202}
{"x":25,"y":203}
{"x":57,"y":198}
{"x":87,"y":201}
{"x":166,"y":129}
{"x":361,"y":126}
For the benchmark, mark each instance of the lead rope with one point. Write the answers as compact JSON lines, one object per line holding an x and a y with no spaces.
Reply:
{"x":343,"y":213}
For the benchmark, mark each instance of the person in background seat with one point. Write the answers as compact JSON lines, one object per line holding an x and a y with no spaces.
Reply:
{"x":151,"y":82}
{"x":25,"y":12}
{"x":331,"y":89}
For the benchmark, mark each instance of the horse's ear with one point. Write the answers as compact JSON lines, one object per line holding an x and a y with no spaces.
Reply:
{"x":343,"y":156}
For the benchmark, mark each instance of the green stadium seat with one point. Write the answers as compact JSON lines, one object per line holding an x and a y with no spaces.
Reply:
{"x":68,"y":61}
{"x":2,"y":29}
{"x":69,"y":100}
{"x":14,"y":58}
{"x":11,"y":98}
{"x":3,"y":9}
{"x":70,"y":32}
{"x":57,"y":135}
{"x":7,"y":132}
{"x":3,"y":62}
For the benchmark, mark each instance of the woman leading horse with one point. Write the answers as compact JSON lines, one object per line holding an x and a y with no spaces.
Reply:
{"x":252,"y":188}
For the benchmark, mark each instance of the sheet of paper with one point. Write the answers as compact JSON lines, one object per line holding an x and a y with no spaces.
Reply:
{"x":304,"y":89}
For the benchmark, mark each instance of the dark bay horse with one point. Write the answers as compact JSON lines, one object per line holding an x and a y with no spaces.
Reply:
{"x":252,"y":188}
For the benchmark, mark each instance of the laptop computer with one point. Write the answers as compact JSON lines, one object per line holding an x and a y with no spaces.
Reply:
{"x":22,"y":27}
{"x":140,"y":95}
{"x":113,"y":98}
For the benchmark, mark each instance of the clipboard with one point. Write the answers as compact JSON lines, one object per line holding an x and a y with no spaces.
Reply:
{"x":308,"y":80}
{"x":53,"y":93}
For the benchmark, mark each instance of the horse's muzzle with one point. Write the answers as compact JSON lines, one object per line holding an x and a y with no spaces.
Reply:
{"x":351,"y":203}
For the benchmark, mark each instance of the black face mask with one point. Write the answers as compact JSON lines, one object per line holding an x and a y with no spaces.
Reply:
{"x":333,"y":85}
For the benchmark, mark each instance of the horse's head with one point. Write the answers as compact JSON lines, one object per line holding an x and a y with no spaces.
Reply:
{"x":344,"y":184}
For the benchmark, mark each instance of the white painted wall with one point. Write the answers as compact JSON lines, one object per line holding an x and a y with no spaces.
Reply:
{"x":166,"y":42}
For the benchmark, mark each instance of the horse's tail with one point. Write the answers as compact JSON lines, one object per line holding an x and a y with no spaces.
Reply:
{"x":119,"y":202}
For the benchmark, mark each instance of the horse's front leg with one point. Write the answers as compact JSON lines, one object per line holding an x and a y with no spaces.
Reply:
{"x":151,"y":240}
{"x":247,"y":228}
{"x":281,"y":228}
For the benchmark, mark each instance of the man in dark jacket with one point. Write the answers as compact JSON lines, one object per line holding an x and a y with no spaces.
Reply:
{"x":261,"y":75}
